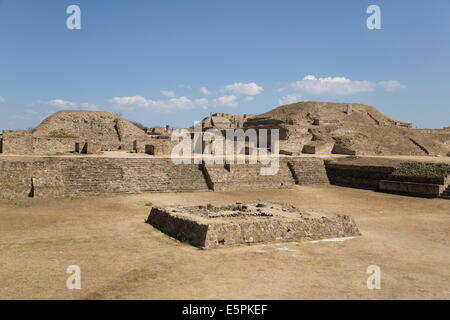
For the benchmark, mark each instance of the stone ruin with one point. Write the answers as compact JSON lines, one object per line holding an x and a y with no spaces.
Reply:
{"x":305,"y":128}
{"x":211,"y":227}
{"x":321,"y":128}
{"x":86,"y":132}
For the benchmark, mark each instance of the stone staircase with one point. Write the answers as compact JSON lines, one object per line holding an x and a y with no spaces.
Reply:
{"x":309,"y":172}
{"x":163,"y":175}
{"x":222,"y":177}
{"x":446,"y":193}
{"x":85,"y":177}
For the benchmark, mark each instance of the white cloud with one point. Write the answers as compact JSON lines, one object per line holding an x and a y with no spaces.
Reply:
{"x":391,"y":85}
{"x":133,"y":102}
{"x":64,"y":104}
{"x":342,"y":85}
{"x":204,"y":90}
{"x":290,"y":98}
{"x":226,"y":101}
{"x":337,"y":85}
{"x":168,"y":93}
{"x":249,"y":89}
{"x":202,"y":103}
{"x":171,"y":105}
{"x":2,"y":100}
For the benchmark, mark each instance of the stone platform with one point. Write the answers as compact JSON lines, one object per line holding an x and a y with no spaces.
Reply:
{"x":211,"y":227}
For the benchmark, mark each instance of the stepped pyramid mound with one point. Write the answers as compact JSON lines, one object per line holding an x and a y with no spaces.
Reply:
{"x":342,"y":128}
{"x":306,"y":112}
{"x":103,"y":128}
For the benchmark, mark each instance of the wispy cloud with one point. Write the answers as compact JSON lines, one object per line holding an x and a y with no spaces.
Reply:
{"x":341,"y":85}
{"x":290,"y":98}
{"x":249,"y":89}
{"x":391,"y":85}
{"x":226,"y":101}
{"x":238,"y":92}
{"x":168,"y":93}
{"x":171,"y":105}
{"x":64,"y":104}
{"x":2,"y":100}
{"x":204,"y":90}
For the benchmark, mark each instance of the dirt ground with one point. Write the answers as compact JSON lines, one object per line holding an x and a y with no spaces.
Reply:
{"x":121,"y":257}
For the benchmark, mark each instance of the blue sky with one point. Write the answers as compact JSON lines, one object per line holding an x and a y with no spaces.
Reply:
{"x":175,"y":61}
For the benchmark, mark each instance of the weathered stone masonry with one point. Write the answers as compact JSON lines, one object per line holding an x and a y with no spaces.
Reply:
{"x":357,"y":176}
{"x":58,"y":177}
{"x":77,"y":177}
{"x":383,"y":178}
{"x":212,"y":227}
{"x":91,"y":176}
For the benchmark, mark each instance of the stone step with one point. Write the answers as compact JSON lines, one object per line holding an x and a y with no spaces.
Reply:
{"x":446,"y":193}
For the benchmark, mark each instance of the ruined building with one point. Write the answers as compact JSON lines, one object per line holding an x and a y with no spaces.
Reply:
{"x":310,"y":128}
{"x":84,"y":132}
{"x":339,"y":128}
{"x":304,"y":127}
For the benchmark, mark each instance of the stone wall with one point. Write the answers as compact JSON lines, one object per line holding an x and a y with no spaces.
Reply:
{"x":91,"y":176}
{"x":15,"y":179}
{"x":161,"y":146}
{"x":357,"y":176}
{"x":418,"y":179}
{"x":412,"y":188}
{"x":21,"y":142}
{"x":247,"y":177}
{"x":309,"y":172}
{"x":318,"y":147}
{"x":47,"y":180}
{"x":384,"y":178}
{"x":17,"y":142}
{"x":212,"y":227}
{"x":129,"y":176}
{"x":58,"y":177}
{"x":43,"y":145}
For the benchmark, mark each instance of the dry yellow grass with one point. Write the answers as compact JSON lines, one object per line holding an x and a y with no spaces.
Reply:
{"x":121,"y":257}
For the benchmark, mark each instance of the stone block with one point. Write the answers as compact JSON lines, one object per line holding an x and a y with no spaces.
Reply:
{"x":237,"y":224}
{"x":318,"y":147}
{"x":17,"y":142}
{"x":412,"y":188}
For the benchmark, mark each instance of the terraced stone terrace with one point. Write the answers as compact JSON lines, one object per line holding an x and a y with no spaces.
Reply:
{"x":91,"y":175}
{"x":248,"y":223}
